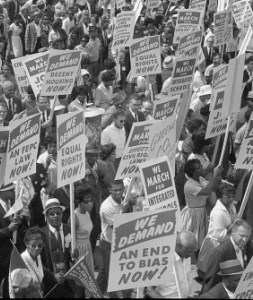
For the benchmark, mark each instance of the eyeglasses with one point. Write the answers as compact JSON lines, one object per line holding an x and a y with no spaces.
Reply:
{"x":55,"y":213}
{"x":122,"y":121}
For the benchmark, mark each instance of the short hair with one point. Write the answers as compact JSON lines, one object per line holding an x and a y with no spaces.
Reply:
{"x":194,"y":124}
{"x":190,"y":166}
{"x":240,"y":223}
{"x":107,"y":76}
{"x":6,"y":64}
{"x":34,"y":233}
{"x":199,"y":142}
{"x":118,"y":182}
{"x":107,"y":150}
{"x":8,"y":83}
{"x":225,"y":187}
{"x":86,"y":36}
{"x":135,"y":97}
{"x":119,"y":112}
{"x":81,"y":191}
{"x":109,"y":63}
{"x":249,"y":59}
{"x":50,"y":139}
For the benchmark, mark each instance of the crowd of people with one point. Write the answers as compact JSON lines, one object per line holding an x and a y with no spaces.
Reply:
{"x":209,"y":193}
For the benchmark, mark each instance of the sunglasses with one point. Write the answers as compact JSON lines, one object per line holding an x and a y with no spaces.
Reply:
{"x":55,"y":213}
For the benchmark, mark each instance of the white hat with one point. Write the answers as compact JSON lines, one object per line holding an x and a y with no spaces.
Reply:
{"x":85,"y":72}
{"x":168,"y":62}
{"x":41,"y":2}
{"x":205,"y":90}
{"x":51,"y":203}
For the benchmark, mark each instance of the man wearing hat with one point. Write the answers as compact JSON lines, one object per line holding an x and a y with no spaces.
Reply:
{"x":56,"y":254}
{"x":94,"y":45}
{"x":33,"y":33}
{"x":202,"y":99}
{"x":231,"y":272}
{"x":7,"y":226}
{"x":167,"y":70}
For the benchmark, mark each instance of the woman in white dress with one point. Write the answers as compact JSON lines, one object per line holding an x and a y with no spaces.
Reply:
{"x":15,"y":41}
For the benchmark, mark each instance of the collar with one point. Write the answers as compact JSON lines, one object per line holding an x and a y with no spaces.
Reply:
{"x":177,"y":257}
{"x":234,"y":244}
{"x":230,"y":294}
{"x":132,"y":112}
{"x":52,"y":229}
{"x":114,"y":203}
{"x":220,"y":205}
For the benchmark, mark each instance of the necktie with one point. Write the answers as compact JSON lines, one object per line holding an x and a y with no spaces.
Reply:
{"x":58,"y":238}
{"x":10,"y":105}
{"x":239,"y":256}
{"x":7,"y":205}
{"x":105,"y":38}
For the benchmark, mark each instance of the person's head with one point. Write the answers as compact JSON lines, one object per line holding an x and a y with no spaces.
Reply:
{"x":135,"y":103}
{"x":84,"y":198}
{"x":71,"y":14}
{"x":82,"y":93}
{"x":94,"y":20}
{"x":231,"y":272}
{"x":91,"y":153}
{"x":50,"y":141}
{"x":34,"y":241}
{"x":42,"y":102}
{"x":109,"y":63}
{"x":193,"y":168}
{"x":108,"y":152}
{"x":7,"y":192}
{"x":226,"y":193}
{"x":147,"y":108}
{"x":216,"y":59}
{"x":165,"y":47}
{"x":200,"y":144}
{"x":36,"y":16}
{"x":53,"y":212}
{"x":186,"y":244}
{"x":249,"y":63}
{"x":197,"y":126}
{"x":16,"y":19}
{"x":57,"y":24}
{"x":117,"y":190}
{"x":240,"y":233}
{"x":3,"y":111}
{"x":107,"y":78}
{"x":8,"y":89}
{"x":167,"y":67}
{"x":210,"y":41}
{"x":6,"y":68}
{"x":85,"y":40}
{"x":119,"y":118}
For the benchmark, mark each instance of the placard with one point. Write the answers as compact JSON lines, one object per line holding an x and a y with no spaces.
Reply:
{"x":165,"y":107}
{"x":20,"y":75}
{"x":4,"y":135}
{"x":188,"y":42}
{"x":244,"y":289}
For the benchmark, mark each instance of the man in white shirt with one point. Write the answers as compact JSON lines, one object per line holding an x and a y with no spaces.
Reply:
{"x":68,"y":23}
{"x":186,"y":246}
{"x":116,"y":134}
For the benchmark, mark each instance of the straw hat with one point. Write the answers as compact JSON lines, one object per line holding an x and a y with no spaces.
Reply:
{"x":230,"y":267}
{"x":7,"y":187}
{"x":52,"y":203}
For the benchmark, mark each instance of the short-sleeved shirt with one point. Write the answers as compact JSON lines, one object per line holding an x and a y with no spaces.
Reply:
{"x":191,"y":191}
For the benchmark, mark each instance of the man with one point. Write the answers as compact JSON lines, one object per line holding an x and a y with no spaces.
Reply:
{"x":147,"y":109}
{"x":133,"y":113}
{"x":59,"y":7}
{"x":231,"y":272}
{"x":247,"y":78}
{"x":167,"y":70}
{"x":69,"y":23}
{"x":209,"y":70}
{"x":104,"y":40}
{"x":94,"y":45}
{"x":109,"y":208}
{"x":7,"y":226}
{"x":186,"y":245}
{"x":116,"y":134}
{"x":231,"y":248}
{"x":202,"y":99}
{"x":56,"y":254}
{"x":33,"y":33}
{"x":83,"y":28}
{"x":79,"y":103}
{"x":14,"y":104}
{"x":209,"y":50}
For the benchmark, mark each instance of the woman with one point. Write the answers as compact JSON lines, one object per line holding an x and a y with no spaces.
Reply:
{"x":8,"y":76}
{"x":28,"y":283}
{"x":57,"y":33}
{"x":45,"y":29}
{"x":15,"y":40}
{"x":30,"y":100}
{"x":3,"y":113}
{"x":194,"y":215}
{"x":78,"y":98}
{"x":105,"y":169}
{"x":73,"y":39}
{"x":103,"y":93}
{"x":221,"y":218}
{"x":84,"y":47}
{"x":201,"y":147}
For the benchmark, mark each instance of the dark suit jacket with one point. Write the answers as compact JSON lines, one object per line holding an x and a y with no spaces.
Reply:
{"x":225,"y":251}
{"x":217,"y":292}
{"x":5,"y":244}
{"x":248,"y":86}
{"x":130,"y":120}
{"x":209,"y":59}
{"x":18,"y":107}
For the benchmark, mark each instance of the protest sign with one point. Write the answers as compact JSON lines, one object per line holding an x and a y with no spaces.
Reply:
{"x":35,"y":68}
{"x":222,"y":27}
{"x":212,"y":6}
{"x":188,"y":42}
{"x":82,"y":275}
{"x":146,"y":57}
{"x":216,"y":123}
{"x":220,"y":77}
{"x":245,"y":158}
{"x":136,"y":150}
{"x":20,"y":75}
{"x":187,"y":20}
{"x":22,"y":148}
{"x":71,"y":141}
{"x":159,"y":186}
{"x":123,"y":30}
{"x":162,"y":140}
{"x":153,"y":4}
{"x":143,"y":247}
{"x":242,"y":13}
{"x":4,"y":135}
{"x":165,"y":107}
{"x":182,"y":75}
{"x":198,"y":4}
{"x":244,"y":288}
{"x":61,"y":72}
